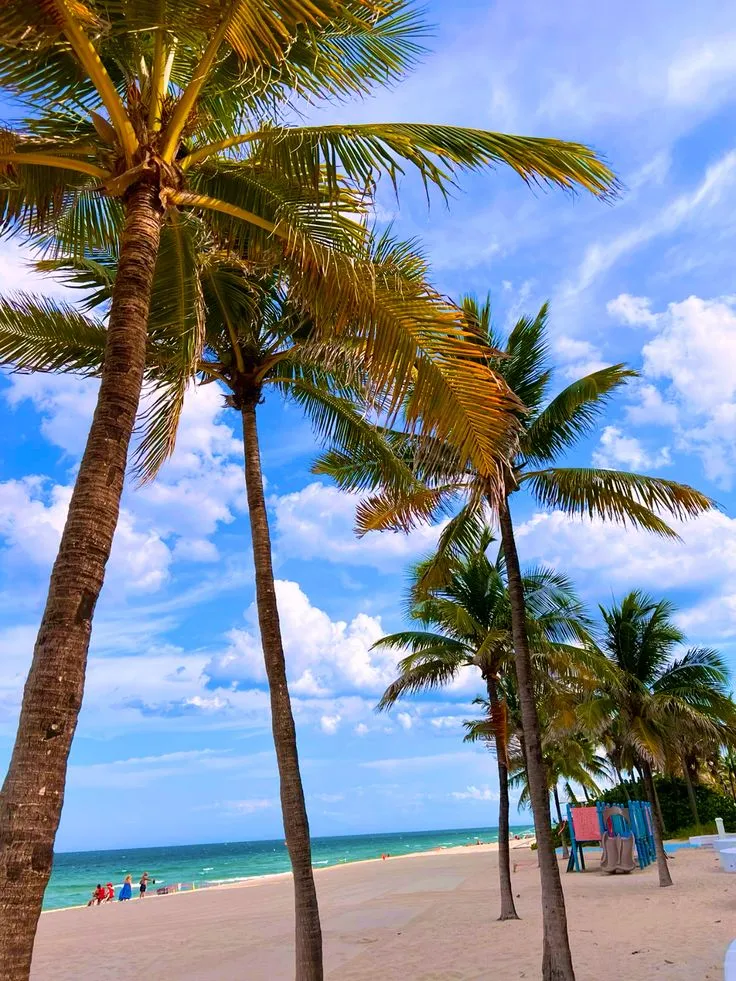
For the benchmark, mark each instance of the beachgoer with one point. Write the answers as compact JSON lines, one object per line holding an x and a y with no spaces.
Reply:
{"x":144,"y":885}
{"x":127,"y":889}
{"x":97,"y":896}
{"x":109,"y":892}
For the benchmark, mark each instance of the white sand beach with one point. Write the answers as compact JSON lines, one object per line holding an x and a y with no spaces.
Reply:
{"x":429,"y":917}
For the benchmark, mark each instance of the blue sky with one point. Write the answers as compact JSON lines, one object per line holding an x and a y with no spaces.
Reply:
{"x":173,"y":743}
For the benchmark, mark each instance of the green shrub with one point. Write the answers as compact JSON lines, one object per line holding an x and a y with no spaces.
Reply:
{"x":678,"y":819}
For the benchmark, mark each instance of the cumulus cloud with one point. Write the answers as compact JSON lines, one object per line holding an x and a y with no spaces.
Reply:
{"x":404,"y":720}
{"x":577,"y":358}
{"x":686,"y":381}
{"x":446,"y":721}
{"x":318,"y":521}
{"x":204,"y":476}
{"x":32,"y":516}
{"x":627,"y":558}
{"x":618,"y":451}
{"x":323,"y":656}
{"x":651,"y":409}
{"x":632,"y":310}
{"x":329,"y":724}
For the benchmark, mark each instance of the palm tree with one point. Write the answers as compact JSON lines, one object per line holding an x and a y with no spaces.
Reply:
{"x":657,"y":697}
{"x":426,"y":480}
{"x":562,"y":683}
{"x":159,"y":108}
{"x":466,"y":623}
{"x":258,"y":338}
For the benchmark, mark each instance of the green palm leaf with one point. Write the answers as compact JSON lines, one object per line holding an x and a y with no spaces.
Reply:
{"x":572,"y":414}
{"x":612,"y":495}
{"x":361,"y":152}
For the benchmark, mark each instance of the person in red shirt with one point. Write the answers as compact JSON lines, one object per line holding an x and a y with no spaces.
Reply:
{"x":109,"y":892}
{"x":97,"y":896}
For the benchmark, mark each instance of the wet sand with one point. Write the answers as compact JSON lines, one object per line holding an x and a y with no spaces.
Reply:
{"x":429,"y":917}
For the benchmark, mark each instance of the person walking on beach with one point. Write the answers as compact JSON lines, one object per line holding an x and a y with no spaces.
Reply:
{"x":144,"y":885}
{"x":127,"y":889}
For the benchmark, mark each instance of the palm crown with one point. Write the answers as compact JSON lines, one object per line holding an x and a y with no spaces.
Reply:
{"x":658,"y":693}
{"x":467,"y":621}
{"x":424,"y":482}
{"x":191,"y":97}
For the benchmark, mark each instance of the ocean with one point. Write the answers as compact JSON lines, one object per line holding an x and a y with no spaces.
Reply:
{"x":75,"y":874}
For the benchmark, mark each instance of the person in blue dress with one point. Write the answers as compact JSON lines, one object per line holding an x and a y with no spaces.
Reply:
{"x":127,"y":889}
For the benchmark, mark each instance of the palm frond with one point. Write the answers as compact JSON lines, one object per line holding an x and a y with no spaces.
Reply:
{"x":37,"y":334}
{"x":438,"y":153}
{"x":572,"y":414}
{"x":612,"y":495}
{"x":385,"y":512}
{"x":460,"y":534}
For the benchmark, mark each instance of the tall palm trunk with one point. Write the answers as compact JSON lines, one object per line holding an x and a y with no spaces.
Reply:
{"x":508,"y":909}
{"x":690,"y":791}
{"x":293,"y":807}
{"x":33,"y":792}
{"x":665,"y":879}
{"x":658,"y":809}
{"x":556,"y":956}
{"x":561,"y":821}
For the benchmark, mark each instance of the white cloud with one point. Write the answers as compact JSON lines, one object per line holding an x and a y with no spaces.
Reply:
{"x":626,"y":558}
{"x":475,"y":793}
{"x":361,"y":729}
{"x":66,"y":404}
{"x":329,"y":724}
{"x":650,"y":408}
{"x":632,"y":310}
{"x":617,"y":450}
{"x":696,"y":342}
{"x":446,"y":721}
{"x":693,"y":343}
{"x":32,"y":516}
{"x":204,"y":476}
{"x":404,"y":720}
{"x":318,"y":523}
{"x":577,"y":358}
{"x":323,"y":655}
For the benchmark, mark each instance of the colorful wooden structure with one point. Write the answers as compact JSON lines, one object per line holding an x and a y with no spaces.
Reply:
{"x":587,"y":823}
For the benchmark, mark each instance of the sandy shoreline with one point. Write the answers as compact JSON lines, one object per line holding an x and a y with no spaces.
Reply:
{"x":254,"y":880}
{"x":425,"y":917}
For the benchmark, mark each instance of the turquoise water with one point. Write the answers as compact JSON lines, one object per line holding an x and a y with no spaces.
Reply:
{"x":75,"y":874}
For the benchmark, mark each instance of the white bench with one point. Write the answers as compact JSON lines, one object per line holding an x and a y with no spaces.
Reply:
{"x":711,"y":841}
